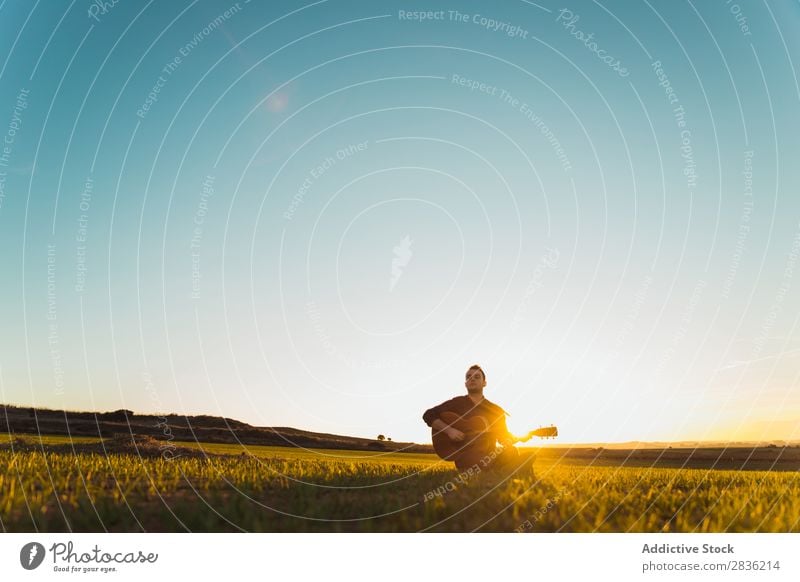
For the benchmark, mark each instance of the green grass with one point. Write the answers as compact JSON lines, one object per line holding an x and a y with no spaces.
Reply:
{"x":238,"y":449}
{"x":308,"y":454}
{"x":47,"y":439}
{"x":282,"y":489}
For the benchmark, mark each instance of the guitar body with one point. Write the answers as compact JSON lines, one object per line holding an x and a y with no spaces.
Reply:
{"x":479,"y":440}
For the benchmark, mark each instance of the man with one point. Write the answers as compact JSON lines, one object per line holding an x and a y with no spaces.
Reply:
{"x":474,"y":404}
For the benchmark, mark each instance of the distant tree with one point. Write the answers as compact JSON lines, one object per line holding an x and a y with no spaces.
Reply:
{"x":381,"y":437}
{"x":388,"y":439}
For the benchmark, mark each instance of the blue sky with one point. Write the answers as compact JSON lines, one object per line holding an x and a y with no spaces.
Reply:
{"x":319,"y":215}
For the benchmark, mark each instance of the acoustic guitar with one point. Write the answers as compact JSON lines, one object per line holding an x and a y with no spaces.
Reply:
{"x":479,"y":438}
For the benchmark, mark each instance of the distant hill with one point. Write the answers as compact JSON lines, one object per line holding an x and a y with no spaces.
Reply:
{"x":733,"y":456}
{"x":217,"y":429}
{"x":630,"y":445}
{"x":202,"y":428}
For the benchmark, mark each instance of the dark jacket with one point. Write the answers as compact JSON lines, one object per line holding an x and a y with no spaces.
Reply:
{"x":464,"y":407}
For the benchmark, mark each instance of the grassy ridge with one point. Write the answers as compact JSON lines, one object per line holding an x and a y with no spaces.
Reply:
{"x":280,"y":489}
{"x":203,"y":428}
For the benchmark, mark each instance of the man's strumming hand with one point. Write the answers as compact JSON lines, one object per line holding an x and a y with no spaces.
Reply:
{"x":455,"y":434}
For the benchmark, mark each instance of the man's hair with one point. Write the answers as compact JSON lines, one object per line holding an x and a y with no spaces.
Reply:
{"x":476,"y":367}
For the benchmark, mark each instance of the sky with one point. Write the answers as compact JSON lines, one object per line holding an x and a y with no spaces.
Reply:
{"x":320,"y":214}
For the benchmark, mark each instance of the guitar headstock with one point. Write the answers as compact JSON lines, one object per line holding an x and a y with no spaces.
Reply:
{"x":545,"y":432}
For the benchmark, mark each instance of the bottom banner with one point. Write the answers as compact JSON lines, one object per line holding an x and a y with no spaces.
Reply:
{"x":390,"y":557}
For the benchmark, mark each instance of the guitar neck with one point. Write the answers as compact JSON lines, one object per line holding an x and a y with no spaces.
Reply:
{"x":545,"y":432}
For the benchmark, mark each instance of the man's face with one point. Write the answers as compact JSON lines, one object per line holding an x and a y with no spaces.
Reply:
{"x":475,"y":381}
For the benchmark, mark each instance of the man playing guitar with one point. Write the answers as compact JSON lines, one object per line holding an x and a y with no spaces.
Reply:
{"x":467,"y":450}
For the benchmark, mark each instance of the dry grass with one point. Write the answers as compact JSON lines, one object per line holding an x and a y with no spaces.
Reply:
{"x":280,"y":489}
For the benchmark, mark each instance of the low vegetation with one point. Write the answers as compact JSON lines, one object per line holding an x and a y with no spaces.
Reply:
{"x":54,"y":485}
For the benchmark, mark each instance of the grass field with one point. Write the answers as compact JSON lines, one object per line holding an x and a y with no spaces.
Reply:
{"x":283,"y":489}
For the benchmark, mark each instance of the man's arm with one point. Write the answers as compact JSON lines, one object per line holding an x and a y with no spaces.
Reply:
{"x":431,"y":418}
{"x":455,"y":435}
{"x":439,"y":425}
{"x":503,"y":435}
{"x":432,"y":414}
